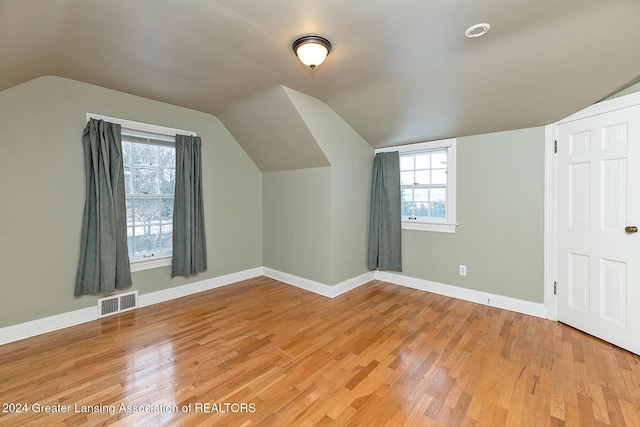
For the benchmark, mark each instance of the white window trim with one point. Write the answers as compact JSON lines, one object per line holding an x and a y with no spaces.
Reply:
{"x":149,"y":263}
{"x":145,"y":127}
{"x":442,"y":227}
{"x":163,"y":261}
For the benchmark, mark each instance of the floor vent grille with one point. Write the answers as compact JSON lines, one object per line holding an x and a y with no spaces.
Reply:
{"x":117,"y":303}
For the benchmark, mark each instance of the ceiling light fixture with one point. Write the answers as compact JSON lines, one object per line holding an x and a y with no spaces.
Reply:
{"x":311,"y":50}
{"x":477,"y":30}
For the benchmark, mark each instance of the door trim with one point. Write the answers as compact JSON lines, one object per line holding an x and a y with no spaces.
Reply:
{"x":551,"y":186}
{"x":550,"y":236}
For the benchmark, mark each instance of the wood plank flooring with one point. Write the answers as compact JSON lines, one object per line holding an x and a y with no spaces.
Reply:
{"x":260,"y":352}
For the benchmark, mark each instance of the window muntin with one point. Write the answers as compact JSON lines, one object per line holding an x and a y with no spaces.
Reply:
{"x":149,"y":169}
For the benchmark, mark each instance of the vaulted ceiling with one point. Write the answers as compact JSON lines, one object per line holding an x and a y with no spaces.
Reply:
{"x":400,"y":71}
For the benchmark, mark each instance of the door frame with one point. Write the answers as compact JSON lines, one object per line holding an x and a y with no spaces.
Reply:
{"x":551,"y":191}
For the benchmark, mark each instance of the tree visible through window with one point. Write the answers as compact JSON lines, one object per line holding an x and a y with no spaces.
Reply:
{"x":149,"y":168}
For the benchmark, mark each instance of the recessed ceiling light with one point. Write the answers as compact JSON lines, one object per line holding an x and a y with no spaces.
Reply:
{"x":477,"y":30}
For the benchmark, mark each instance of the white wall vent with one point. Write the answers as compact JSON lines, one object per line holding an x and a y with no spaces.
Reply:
{"x":117,"y":303}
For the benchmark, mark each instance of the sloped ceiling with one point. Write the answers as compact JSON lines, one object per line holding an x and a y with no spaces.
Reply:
{"x":400,"y":71}
{"x":279,"y":138}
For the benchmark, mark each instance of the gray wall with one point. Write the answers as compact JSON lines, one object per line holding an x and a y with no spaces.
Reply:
{"x":42,"y":193}
{"x":500,"y":209}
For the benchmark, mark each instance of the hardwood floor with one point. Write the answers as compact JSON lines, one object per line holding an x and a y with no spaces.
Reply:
{"x":263,"y":353}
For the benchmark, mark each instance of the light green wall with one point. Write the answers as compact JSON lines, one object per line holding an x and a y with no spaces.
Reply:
{"x":628,"y":91}
{"x":311,"y":223}
{"x":316,"y":220}
{"x":500,"y":209}
{"x":297,"y":222}
{"x":42,"y":193}
{"x":351,"y":159}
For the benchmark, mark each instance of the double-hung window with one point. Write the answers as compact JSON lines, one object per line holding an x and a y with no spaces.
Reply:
{"x":427,"y":181}
{"x":149,"y":159}
{"x":150,"y":174}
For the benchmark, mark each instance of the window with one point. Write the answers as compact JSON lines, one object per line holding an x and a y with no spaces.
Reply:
{"x":150,"y":173}
{"x":423,"y":180}
{"x":427,"y":180}
{"x":149,"y":159}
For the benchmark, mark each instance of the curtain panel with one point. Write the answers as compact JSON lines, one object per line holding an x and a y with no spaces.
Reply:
{"x":189,"y":243}
{"x":104,"y":261}
{"x":385,"y":227}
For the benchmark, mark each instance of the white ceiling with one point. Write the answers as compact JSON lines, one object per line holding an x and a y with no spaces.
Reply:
{"x":400,"y":71}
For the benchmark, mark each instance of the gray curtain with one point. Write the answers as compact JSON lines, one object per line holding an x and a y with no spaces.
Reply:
{"x":189,"y":245}
{"x":104,"y":261}
{"x":384,"y":217}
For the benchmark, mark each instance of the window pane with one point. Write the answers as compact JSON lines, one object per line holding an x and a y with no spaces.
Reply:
{"x":421,"y":194}
{"x":421,"y":209}
{"x":407,"y":195}
{"x":139,"y":241}
{"x":147,"y":239}
{"x":128,"y":180}
{"x":438,"y":194}
{"x":145,"y":181}
{"x":145,"y":155}
{"x":153,"y":243}
{"x":126,"y":153}
{"x":130,"y":241}
{"x":407,"y":209}
{"x":422,"y":177}
{"x":129,"y":206}
{"x":406,"y":178}
{"x":438,"y":210}
{"x":439,"y":160}
{"x":167,"y":181}
{"x":422,"y":161}
{"x":406,"y":163}
{"x":167,"y":157}
{"x":167,"y":209}
{"x":166,"y":244}
{"x":147,"y":211}
{"x":439,"y":176}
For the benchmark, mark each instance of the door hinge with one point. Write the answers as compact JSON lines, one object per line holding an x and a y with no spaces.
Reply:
{"x":555,"y":288}
{"x":555,"y":146}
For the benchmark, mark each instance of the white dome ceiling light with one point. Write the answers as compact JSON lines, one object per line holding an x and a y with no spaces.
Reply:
{"x":311,"y":50}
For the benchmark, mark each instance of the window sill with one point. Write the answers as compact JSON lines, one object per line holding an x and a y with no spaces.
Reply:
{"x":430,"y":226}
{"x":147,"y":264}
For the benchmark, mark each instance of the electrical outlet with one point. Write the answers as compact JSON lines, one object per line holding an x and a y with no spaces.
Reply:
{"x":463,"y":270}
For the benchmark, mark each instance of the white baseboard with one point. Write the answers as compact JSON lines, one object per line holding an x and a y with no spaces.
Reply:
{"x":317,"y":287}
{"x":479,"y":297}
{"x":499,"y":301}
{"x":47,"y":324}
{"x":64,"y":320}
{"x":169,"y":294}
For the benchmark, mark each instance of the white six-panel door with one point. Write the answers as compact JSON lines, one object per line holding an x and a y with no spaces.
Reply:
{"x":598,"y":167}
